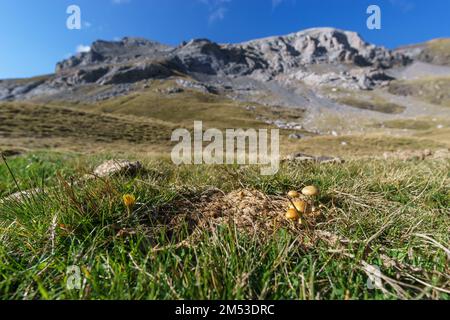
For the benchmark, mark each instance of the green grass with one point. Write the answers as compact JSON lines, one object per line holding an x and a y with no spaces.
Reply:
{"x":374,"y":104}
{"x":432,"y":90}
{"x":437,"y":51}
{"x":34,"y":170}
{"x":372,"y":145}
{"x":35,"y":127}
{"x":408,"y":124}
{"x":389,"y":203}
{"x":29,"y":120}
{"x":216,"y":111}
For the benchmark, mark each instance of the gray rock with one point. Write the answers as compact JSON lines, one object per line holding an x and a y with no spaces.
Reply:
{"x":135,"y":73}
{"x":318,"y":46}
{"x":294,"y":56}
{"x":21,"y":196}
{"x":198,"y":86}
{"x":301,"y":157}
{"x":117,"y":167}
{"x":171,"y":90}
{"x":324,"y":159}
{"x":114,"y":52}
{"x":296,"y":136}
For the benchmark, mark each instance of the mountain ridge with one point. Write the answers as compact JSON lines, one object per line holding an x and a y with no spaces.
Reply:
{"x":315,"y":56}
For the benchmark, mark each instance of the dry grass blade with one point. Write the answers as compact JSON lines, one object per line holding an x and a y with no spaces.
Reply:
{"x":432,"y":241}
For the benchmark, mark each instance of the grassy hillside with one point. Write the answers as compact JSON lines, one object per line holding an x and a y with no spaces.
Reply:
{"x":432,"y":90}
{"x":373,"y":104}
{"x":179,"y":242}
{"x":437,"y":52}
{"x":182,"y":108}
{"x":366,"y":145}
{"x":39,"y":126}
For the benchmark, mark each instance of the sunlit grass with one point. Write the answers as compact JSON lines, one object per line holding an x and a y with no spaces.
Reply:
{"x":378,"y":209}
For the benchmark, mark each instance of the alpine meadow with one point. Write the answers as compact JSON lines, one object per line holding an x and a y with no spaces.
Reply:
{"x":313,"y":165}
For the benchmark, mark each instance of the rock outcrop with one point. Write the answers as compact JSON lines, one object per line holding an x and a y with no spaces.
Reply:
{"x":117,"y":167}
{"x":320,"y":46}
{"x":302,"y":157}
{"x":321,"y":56}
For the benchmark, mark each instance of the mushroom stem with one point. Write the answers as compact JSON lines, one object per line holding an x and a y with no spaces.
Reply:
{"x":310,"y":203}
{"x":310,"y":192}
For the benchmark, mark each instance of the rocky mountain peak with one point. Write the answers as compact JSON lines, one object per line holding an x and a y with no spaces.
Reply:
{"x":317,"y":55}
{"x":322,"y":45}
{"x":126,"y":50}
{"x":126,"y":46}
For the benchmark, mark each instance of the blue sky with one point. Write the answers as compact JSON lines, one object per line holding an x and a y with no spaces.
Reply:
{"x":33,"y":34}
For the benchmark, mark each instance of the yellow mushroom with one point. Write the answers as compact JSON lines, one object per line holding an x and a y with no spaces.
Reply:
{"x":310,"y":191}
{"x":293,"y":194}
{"x":300,"y":205}
{"x":129,"y":201}
{"x":292,"y":214}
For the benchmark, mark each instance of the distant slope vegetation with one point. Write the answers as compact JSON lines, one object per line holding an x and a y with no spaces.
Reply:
{"x":167,"y":101}
{"x":432,"y":90}
{"x":374,"y":104}
{"x":436,"y":51}
{"x":29,"y":121}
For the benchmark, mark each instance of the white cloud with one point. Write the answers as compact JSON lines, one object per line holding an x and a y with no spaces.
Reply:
{"x":218,"y":14}
{"x":87,"y":24}
{"x":82,"y":48}
{"x":217,"y":9}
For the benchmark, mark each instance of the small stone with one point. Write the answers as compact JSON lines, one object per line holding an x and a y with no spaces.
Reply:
{"x":301,"y":157}
{"x":117,"y":167}
{"x":296,"y":136}
{"x":21,"y":196}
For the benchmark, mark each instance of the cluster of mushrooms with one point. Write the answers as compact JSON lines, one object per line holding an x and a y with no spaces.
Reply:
{"x":301,"y":204}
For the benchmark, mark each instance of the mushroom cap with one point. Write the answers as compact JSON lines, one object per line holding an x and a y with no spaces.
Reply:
{"x":292,"y":214}
{"x":293,"y":194}
{"x":310,"y":191}
{"x":129,"y":200}
{"x":300,"y":205}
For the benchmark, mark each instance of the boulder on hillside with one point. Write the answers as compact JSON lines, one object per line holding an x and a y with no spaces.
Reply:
{"x":301,"y":157}
{"x":117,"y":167}
{"x":21,"y":196}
